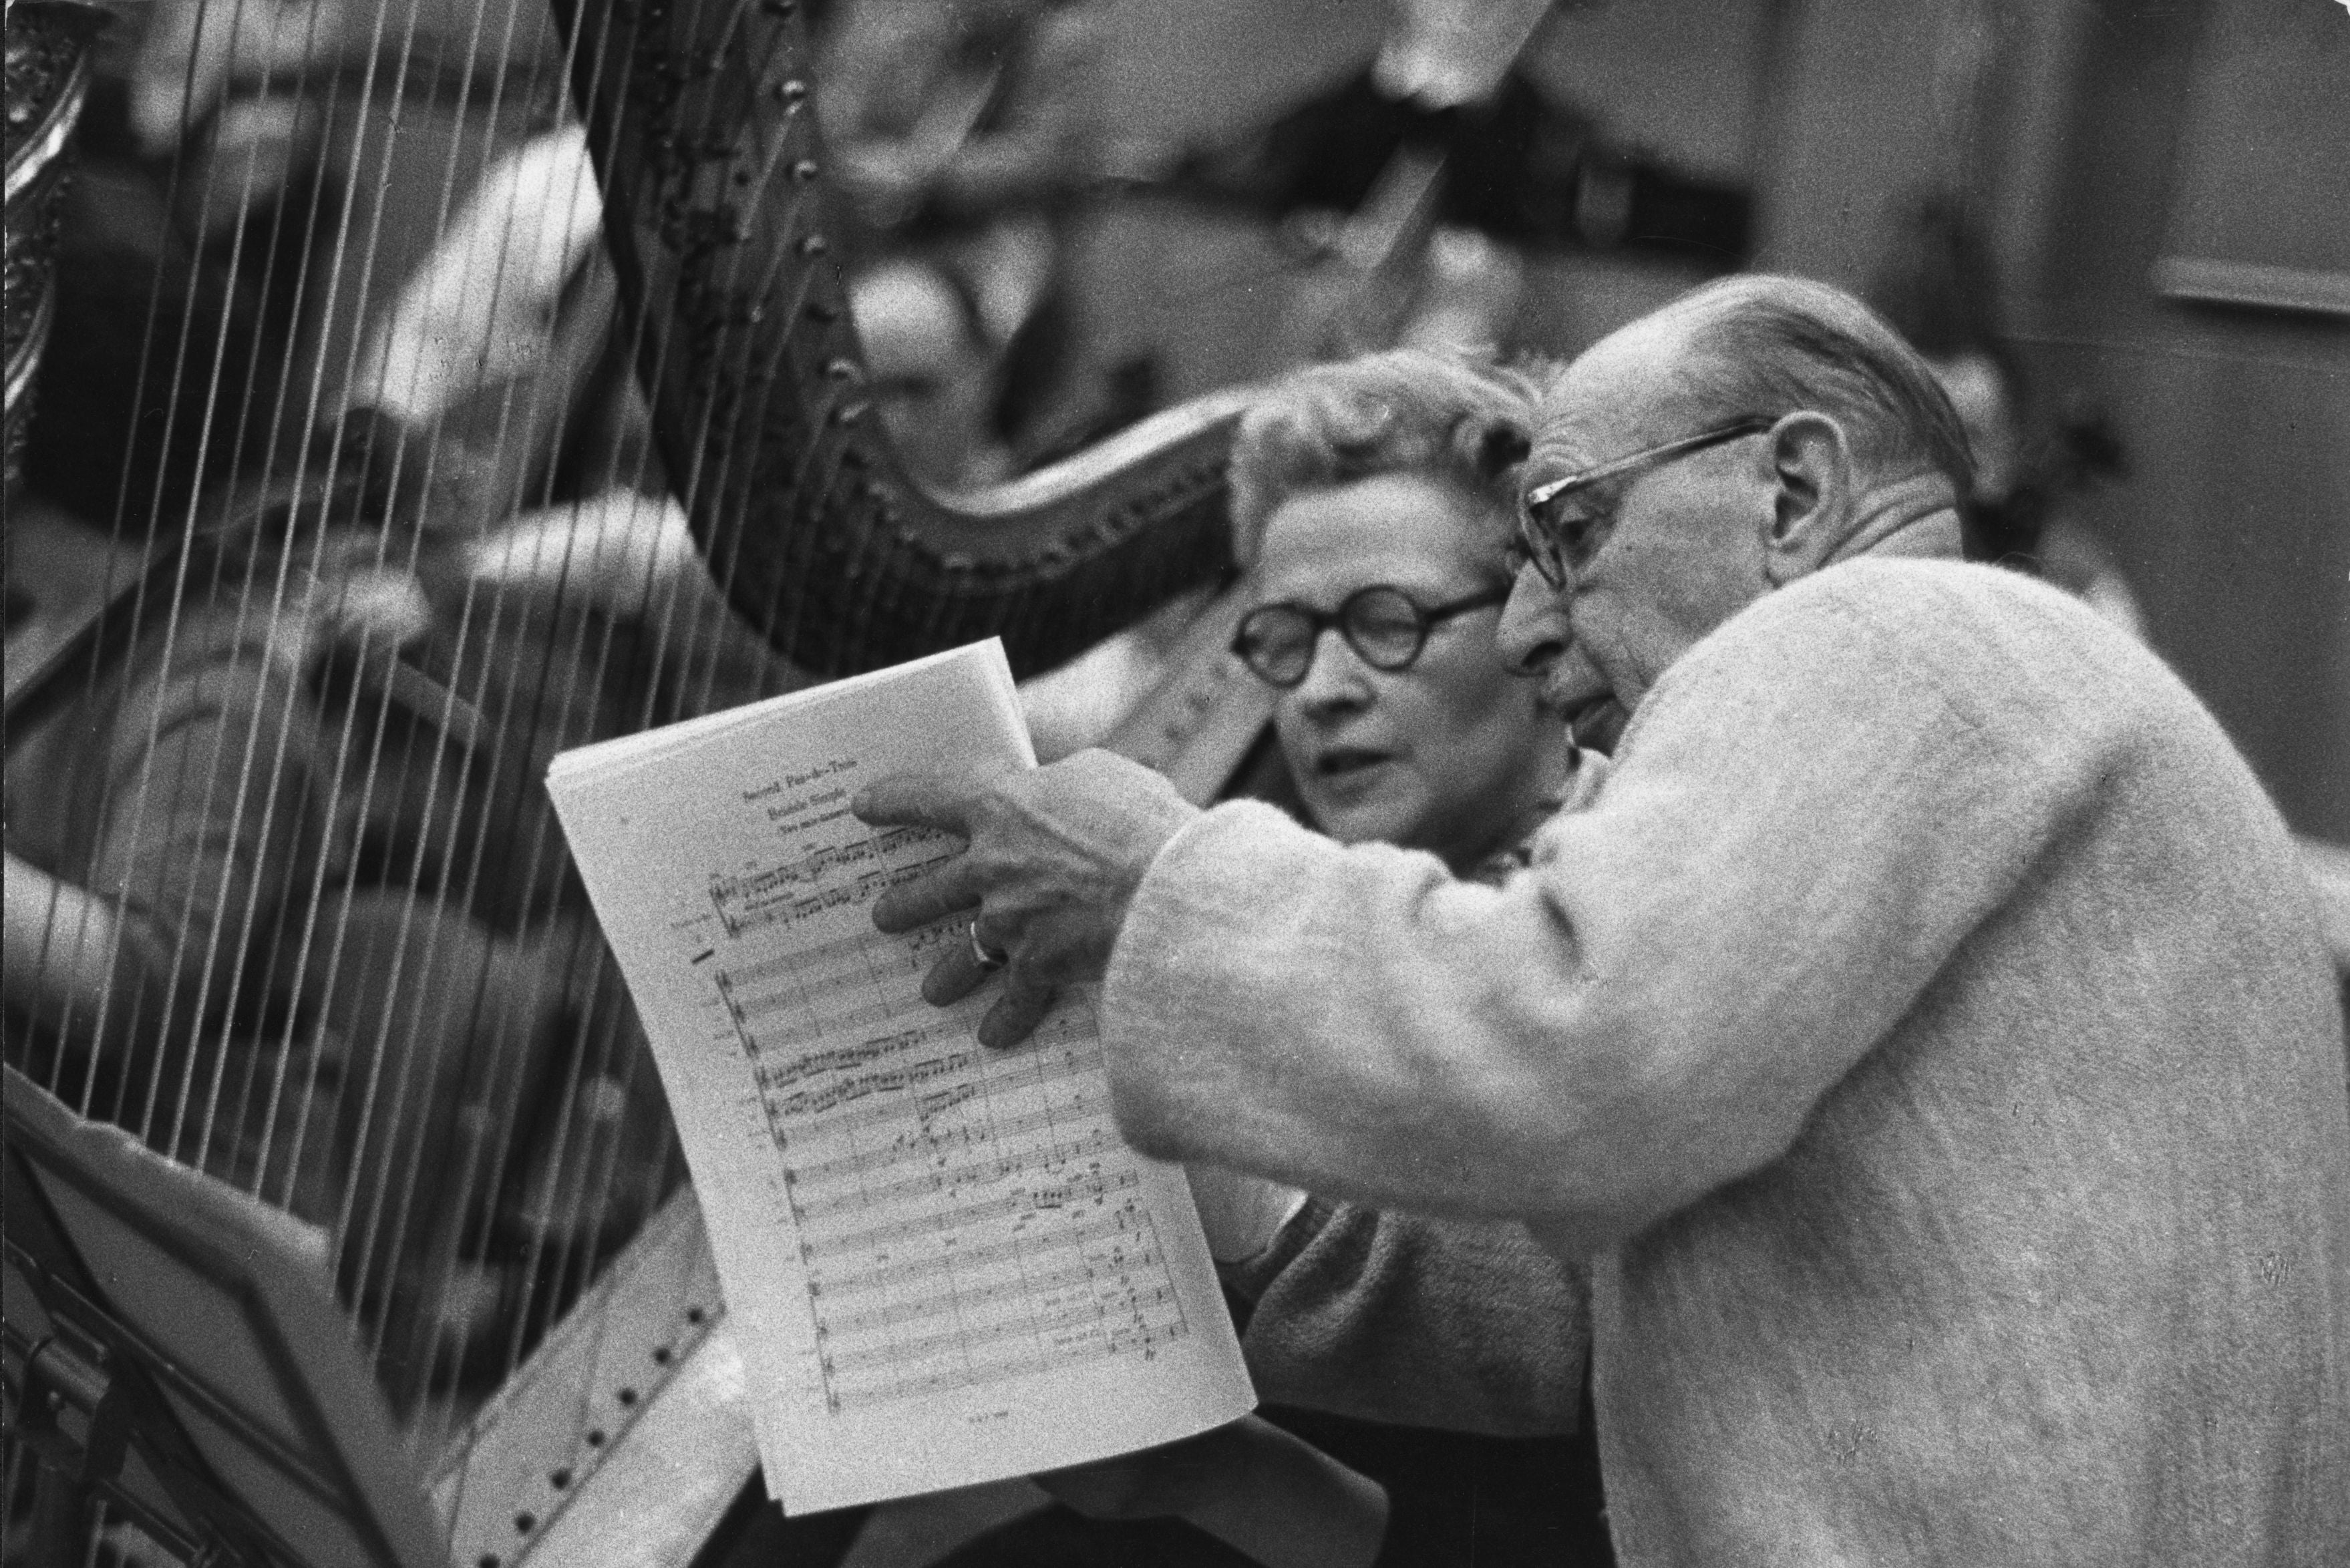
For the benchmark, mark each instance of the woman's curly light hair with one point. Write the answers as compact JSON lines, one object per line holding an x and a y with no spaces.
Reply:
{"x":1454,"y":416}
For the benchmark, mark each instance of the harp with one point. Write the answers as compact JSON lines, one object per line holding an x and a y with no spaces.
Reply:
{"x":294,"y":972}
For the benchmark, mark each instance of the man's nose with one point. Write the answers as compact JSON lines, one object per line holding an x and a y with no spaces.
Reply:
{"x":1336,"y":678}
{"x":1534,"y":630}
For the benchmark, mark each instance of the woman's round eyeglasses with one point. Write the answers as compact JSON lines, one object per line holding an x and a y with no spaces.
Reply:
{"x":1385,"y":627}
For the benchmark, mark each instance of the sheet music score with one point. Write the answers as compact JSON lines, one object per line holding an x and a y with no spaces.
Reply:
{"x":947,"y":1266}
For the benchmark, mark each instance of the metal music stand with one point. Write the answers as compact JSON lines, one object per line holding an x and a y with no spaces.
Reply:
{"x":177,"y":1350}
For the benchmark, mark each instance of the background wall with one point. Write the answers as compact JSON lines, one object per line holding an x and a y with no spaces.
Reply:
{"x":2235,"y":521}
{"x":2099,"y":137}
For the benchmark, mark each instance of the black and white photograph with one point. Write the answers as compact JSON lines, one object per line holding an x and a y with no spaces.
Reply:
{"x":1117,"y":783}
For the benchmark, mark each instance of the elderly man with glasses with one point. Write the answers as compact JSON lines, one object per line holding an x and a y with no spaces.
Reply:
{"x":1922,"y":1032}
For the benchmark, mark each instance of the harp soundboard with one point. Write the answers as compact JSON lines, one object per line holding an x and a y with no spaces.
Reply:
{"x":417,"y":474}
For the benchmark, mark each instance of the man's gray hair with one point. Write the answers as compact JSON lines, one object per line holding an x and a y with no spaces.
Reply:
{"x":1451,"y":416}
{"x":1763,"y":344}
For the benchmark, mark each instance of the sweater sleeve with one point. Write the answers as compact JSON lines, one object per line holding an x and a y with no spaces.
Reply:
{"x":1468,"y":1325}
{"x":1806,"y":821}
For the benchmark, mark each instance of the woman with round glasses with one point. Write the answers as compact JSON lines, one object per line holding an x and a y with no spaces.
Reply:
{"x":1372,"y":506}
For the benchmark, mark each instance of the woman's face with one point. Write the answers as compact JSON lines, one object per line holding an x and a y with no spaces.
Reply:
{"x":1450,"y":756}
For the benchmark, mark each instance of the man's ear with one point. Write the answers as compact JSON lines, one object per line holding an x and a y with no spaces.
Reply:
{"x":1811,"y":495}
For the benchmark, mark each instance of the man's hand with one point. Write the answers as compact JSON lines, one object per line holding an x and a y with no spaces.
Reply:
{"x":1056,"y":855}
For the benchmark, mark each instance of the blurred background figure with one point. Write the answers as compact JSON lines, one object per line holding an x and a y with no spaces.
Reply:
{"x":980,"y":141}
{"x":481,"y":308}
{"x":1936,"y":284}
{"x":212,"y":68}
{"x":1422,"y":179}
{"x":201,"y":186}
{"x":963,"y":130}
{"x":931,"y":374}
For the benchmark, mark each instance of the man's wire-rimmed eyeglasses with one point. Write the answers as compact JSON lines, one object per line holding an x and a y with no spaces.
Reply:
{"x":1556,"y":533}
{"x":1385,"y":627}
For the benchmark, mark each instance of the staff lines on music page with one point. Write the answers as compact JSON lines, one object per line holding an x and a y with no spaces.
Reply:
{"x":962,"y":1217}
{"x":923,"y":1241}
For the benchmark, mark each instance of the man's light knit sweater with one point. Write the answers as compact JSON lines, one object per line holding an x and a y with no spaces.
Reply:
{"x":1925,"y":1035}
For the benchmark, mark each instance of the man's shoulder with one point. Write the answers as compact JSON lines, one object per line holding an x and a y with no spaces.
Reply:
{"x":1871,"y":645}
{"x":1958,"y":626}
{"x":1927,"y":598}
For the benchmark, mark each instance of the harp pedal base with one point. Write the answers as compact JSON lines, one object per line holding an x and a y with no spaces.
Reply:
{"x":547,"y":1438}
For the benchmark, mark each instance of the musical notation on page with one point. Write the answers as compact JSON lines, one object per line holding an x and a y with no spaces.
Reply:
{"x":942,"y":1262}
{"x":963,"y":1218}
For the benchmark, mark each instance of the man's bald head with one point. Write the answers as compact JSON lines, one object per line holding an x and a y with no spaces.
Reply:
{"x":1749,"y":434}
{"x":1769,"y":345}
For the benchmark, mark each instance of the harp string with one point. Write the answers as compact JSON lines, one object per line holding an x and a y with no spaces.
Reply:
{"x":690,"y":635}
{"x":480,"y":1170}
{"x":243,"y":417}
{"x":675,"y":624}
{"x":277,"y":770}
{"x":435,"y":855}
{"x":495,"y":1161}
{"x":305,"y":81}
{"x":228,"y":918}
{"x":178,"y":797}
{"x":418,"y":996}
{"x":676,"y":588}
{"x":476,"y":1165}
{"x":602,"y":1041}
{"x":690,"y":632}
{"x":317,"y":529}
{"x":182,"y":584}
{"x":211,"y":1092}
{"x":549,"y":1261}
{"x":379,"y":1235}
{"x":275,"y":615}
{"x":84,"y":1101}
{"x":319,"y":1036}
{"x":552,"y":1257}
